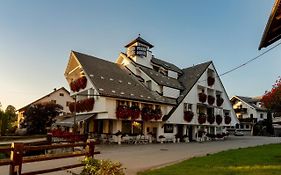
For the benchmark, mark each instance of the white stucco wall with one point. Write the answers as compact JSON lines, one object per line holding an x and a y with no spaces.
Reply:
{"x":172,"y":74}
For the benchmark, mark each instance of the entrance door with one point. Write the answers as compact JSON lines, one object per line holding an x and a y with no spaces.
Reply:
{"x":180,"y":132}
{"x":190,"y":133}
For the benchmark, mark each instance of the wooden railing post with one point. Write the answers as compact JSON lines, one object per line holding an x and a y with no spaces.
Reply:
{"x":91,"y":149}
{"x":16,"y":158}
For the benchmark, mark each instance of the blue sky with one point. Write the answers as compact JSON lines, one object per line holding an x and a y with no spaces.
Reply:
{"x":36,"y":38}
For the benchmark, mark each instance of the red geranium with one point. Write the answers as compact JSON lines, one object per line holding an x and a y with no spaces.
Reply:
{"x":218,"y":119}
{"x":201,"y":118}
{"x":210,"y":81}
{"x":188,"y":116}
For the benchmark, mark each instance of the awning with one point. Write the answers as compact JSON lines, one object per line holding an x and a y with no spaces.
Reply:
{"x":70,"y":121}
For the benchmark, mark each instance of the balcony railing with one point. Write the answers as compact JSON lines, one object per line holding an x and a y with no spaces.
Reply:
{"x":250,"y":120}
{"x":241,"y":110}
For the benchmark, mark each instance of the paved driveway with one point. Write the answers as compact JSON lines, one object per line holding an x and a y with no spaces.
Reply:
{"x":141,"y":157}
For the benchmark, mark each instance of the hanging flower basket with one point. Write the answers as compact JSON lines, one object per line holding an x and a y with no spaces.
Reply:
{"x":202,"y":97}
{"x":71,"y":107}
{"x":78,"y":84}
{"x":211,"y":119}
{"x":227,"y":119}
{"x":211,"y":99}
{"x":123,"y":112}
{"x":82,"y":105}
{"x":219,"y":101}
{"x":188,"y":116}
{"x":210,"y":81}
{"x":146,"y":114}
{"x":157,"y":114}
{"x":202,"y":118}
{"x":135,"y":112}
{"x":218,"y":119}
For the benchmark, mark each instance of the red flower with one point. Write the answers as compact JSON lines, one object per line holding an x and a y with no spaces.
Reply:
{"x":219,"y":101}
{"x":211,"y":100}
{"x":201,"y":118}
{"x":218,"y":119}
{"x":202,"y":97}
{"x":211,"y":119}
{"x":227,"y":119}
{"x":123,"y":112}
{"x":188,"y":116}
{"x":210,"y":81}
{"x":78,"y":84}
{"x":135,"y":112}
{"x":146,"y":114}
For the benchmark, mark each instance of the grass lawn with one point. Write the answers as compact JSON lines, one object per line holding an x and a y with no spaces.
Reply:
{"x":261,"y":160}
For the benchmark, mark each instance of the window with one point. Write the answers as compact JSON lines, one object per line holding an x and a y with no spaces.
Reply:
{"x":241,"y":126}
{"x":247,"y":126}
{"x":67,"y":103}
{"x":184,"y":106}
{"x":251,"y":115}
{"x":168,"y":128}
{"x":261,"y":115}
{"x":148,"y":84}
{"x":61,"y":94}
{"x":190,"y":107}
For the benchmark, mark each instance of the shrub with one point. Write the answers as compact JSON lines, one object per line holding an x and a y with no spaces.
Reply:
{"x":101,"y":167}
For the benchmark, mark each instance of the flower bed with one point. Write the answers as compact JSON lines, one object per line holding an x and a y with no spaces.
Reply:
{"x":188,"y":116}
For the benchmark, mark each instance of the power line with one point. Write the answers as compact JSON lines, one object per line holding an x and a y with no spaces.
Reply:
{"x":249,"y":61}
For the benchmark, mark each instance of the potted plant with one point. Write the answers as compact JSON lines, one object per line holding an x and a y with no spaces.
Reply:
{"x":185,"y":138}
{"x":161,"y":138}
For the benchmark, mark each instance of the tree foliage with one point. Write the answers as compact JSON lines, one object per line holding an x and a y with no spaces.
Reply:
{"x":272,"y":99}
{"x":40,"y":116}
{"x":7,"y":120}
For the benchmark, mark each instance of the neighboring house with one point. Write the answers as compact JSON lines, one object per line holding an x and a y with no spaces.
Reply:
{"x":249,"y":111}
{"x":59,"y":96}
{"x":141,"y":94}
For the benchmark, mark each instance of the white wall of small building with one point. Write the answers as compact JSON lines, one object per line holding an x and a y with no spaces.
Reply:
{"x":172,"y":74}
{"x":170,"y":92}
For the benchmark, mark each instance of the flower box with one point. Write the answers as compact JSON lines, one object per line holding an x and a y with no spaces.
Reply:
{"x":78,"y":84}
{"x":219,"y":101}
{"x":210,"y":81}
{"x":211,"y":99}
{"x":202,"y":118}
{"x":218,"y":119}
{"x":227,"y":119}
{"x":211,"y":119}
{"x":188,"y":116}
{"x":202,"y":97}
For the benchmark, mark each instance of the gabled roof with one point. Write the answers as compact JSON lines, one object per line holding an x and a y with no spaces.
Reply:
{"x":161,"y":79}
{"x":62,"y":88}
{"x":166,"y":65}
{"x":113,"y":80}
{"x":272,"y":31}
{"x":140,"y":40}
{"x":188,"y":79}
{"x":251,"y":101}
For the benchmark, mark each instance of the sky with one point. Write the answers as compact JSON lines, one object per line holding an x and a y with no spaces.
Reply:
{"x":36,"y":38}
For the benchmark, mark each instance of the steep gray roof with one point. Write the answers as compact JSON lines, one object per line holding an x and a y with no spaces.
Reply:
{"x":161,"y":79}
{"x":252,"y":101}
{"x":166,"y":65}
{"x":188,"y":79}
{"x":140,"y":40}
{"x":115,"y":81}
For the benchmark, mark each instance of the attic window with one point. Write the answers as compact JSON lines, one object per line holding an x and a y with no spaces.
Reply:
{"x":120,"y":81}
{"x":129,"y":83}
{"x":132,"y":95}
{"x":122,"y":93}
{"x":101,"y":77}
{"x":141,"y":95}
{"x":148,"y":97}
{"x":111,"y":79}
{"x":91,"y":75}
{"x":113,"y":91}
{"x":101,"y":89}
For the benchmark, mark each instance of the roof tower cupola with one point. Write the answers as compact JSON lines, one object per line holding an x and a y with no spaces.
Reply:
{"x":138,"y":50}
